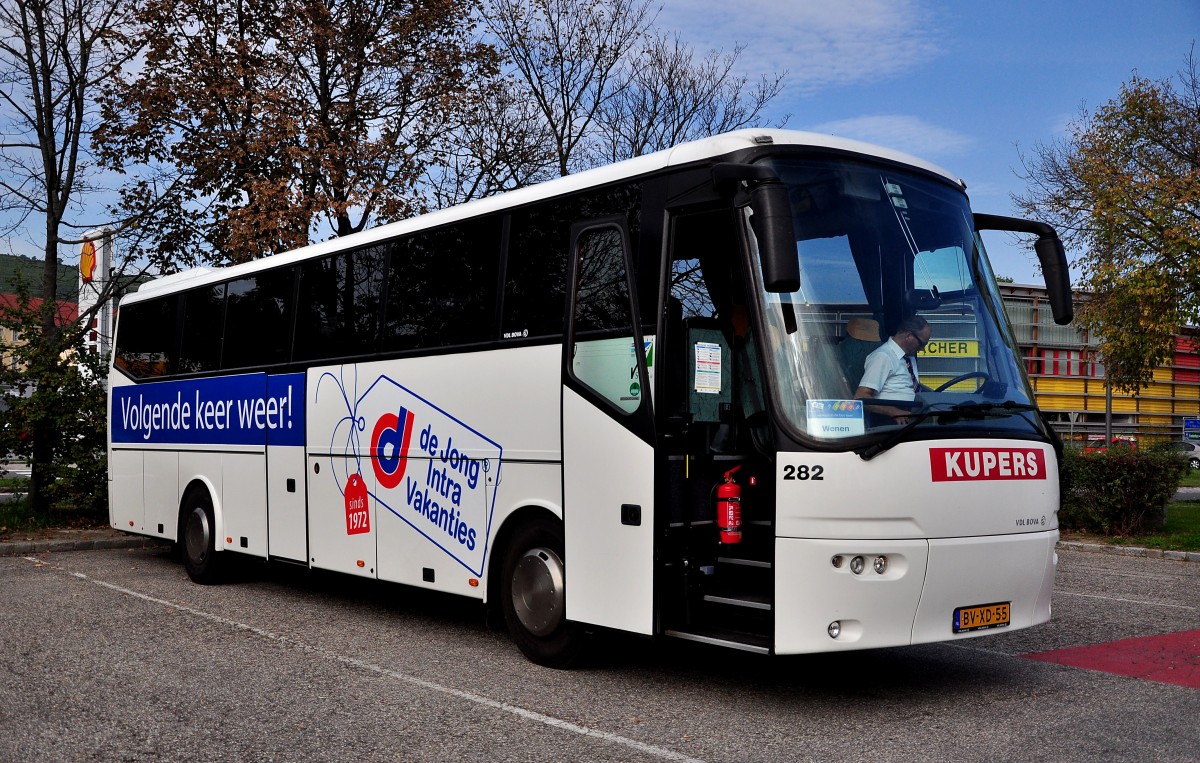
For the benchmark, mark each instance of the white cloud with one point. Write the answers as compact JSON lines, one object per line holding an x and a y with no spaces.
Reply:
{"x":1060,"y":124}
{"x":903,"y":132}
{"x":820,"y":44}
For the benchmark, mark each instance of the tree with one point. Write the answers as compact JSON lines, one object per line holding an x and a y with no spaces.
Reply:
{"x":67,"y":399}
{"x":498,"y":145}
{"x":584,"y":82}
{"x":567,"y":55}
{"x":668,"y":96}
{"x":53,"y":55}
{"x":200,"y":115}
{"x":273,"y":118}
{"x":1124,"y":191}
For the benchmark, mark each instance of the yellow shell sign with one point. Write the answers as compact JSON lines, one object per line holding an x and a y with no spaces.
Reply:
{"x":87,"y":261}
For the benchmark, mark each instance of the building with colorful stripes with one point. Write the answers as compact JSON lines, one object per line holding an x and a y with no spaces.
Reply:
{"x":1068,"y":377}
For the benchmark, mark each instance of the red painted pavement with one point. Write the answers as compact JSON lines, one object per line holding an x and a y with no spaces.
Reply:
{"x":1172,"y":658}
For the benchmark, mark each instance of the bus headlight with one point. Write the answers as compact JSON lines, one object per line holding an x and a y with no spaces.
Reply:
{"x":857,"y":564}
{"x":835,"y":629}
{"x":881,"y":564}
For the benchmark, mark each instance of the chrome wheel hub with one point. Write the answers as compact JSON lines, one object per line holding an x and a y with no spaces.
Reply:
{"x":197,"y":535}
{"x":537,"y":591}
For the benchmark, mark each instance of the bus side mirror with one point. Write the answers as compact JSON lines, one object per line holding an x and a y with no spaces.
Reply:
{"x":1050,"y":254}
{"x":771,"y":220}
{"x":1058,"y":283}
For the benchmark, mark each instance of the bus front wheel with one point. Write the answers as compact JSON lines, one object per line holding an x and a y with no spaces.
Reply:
{"x":533,"y":596}
{"x":197,"y":540}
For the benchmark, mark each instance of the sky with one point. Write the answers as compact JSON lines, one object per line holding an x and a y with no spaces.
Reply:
{"x":970,"y":86}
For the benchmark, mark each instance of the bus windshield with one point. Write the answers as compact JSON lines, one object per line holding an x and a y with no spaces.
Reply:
{"x":876,"y":247}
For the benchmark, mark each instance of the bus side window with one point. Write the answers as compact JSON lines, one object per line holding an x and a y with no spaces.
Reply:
{"x":258,"y":316}
{"x":442,"y":287}
{"x":535,"y":281}
{"x":703,"y":282}
{"x":539,"y":248}
{"x":339,"y":303}
{"x":604,"y":357}
{"x":148,"y":342}
{"x":203,"y":324}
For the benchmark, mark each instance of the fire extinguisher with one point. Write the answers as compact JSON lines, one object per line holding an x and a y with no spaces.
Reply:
{"x":729,"y":509}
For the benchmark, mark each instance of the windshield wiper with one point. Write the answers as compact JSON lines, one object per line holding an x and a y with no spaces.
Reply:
{"x":914,"y":418}
{"x":1007,"y":407}
{"x":982,"y":410}
{"x":944,"y":415}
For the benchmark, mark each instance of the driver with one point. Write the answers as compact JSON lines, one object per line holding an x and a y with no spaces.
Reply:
{"x":890,"y":372}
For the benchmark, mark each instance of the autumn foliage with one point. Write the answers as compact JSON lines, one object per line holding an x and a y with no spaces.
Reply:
{"x":274,"y":123}
{"x":1124,"y":190}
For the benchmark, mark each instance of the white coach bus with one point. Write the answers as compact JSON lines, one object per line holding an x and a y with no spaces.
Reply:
{"x":621,"y":400}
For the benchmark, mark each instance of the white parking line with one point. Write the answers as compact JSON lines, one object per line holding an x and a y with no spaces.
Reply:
{"x":530,"y":715}
{"x":1125,"y":601}
{"x":1183,"y":575}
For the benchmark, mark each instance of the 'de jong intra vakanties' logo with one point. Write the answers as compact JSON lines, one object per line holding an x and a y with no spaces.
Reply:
{"x":431,"y":469}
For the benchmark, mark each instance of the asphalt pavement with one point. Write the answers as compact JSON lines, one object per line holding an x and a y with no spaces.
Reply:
{"x":116,"y":655}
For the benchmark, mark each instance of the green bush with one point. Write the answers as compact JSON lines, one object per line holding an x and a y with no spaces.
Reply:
{"x":54,"y":413}
{"x":1118,"y":492}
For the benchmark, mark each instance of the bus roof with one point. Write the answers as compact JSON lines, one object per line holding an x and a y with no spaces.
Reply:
{"x":682,"y":154}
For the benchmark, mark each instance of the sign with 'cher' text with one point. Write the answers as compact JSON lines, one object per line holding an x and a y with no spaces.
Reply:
{"x":951,"y":348}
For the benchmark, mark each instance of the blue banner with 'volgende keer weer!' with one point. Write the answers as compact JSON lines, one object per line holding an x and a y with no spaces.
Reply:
{"x":248,"y":409}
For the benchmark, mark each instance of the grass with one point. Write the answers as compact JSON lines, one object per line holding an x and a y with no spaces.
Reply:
{"x":1192,"y":479}
{"x":17,"y":517}
{"x":1182,"y":532}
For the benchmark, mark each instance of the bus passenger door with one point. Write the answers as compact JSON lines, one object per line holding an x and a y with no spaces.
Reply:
{"x":608,"y":455}
{"x":287,"y":525}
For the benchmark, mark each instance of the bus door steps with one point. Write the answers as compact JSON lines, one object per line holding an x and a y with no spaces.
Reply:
{"x":710,"y":523}
{"x":747,"y":600}
{"x":741,"y":570}
{"x":746,"y":642}
{"x":756,"y":543}
{"x":738,"y":561}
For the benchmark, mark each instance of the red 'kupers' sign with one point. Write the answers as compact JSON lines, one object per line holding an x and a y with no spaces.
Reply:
{"x":955,"y":464}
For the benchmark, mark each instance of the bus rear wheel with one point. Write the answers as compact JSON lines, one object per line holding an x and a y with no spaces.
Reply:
{"x":532,"y":594}
{"x":197,"y":539}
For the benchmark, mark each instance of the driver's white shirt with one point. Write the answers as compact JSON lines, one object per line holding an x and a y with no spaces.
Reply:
{"x":885,"y":372}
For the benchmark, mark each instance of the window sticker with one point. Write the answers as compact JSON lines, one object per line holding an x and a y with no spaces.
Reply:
{"x":708,"y":368}
{"x":835,"y":418}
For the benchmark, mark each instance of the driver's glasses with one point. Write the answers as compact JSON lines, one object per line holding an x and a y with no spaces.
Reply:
{"x":920,"y":342}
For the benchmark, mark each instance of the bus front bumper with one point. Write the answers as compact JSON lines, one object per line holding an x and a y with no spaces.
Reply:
{"x":926,"y":590}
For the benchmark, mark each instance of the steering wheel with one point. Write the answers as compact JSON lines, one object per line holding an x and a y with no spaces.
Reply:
{"x":964,"y":377}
